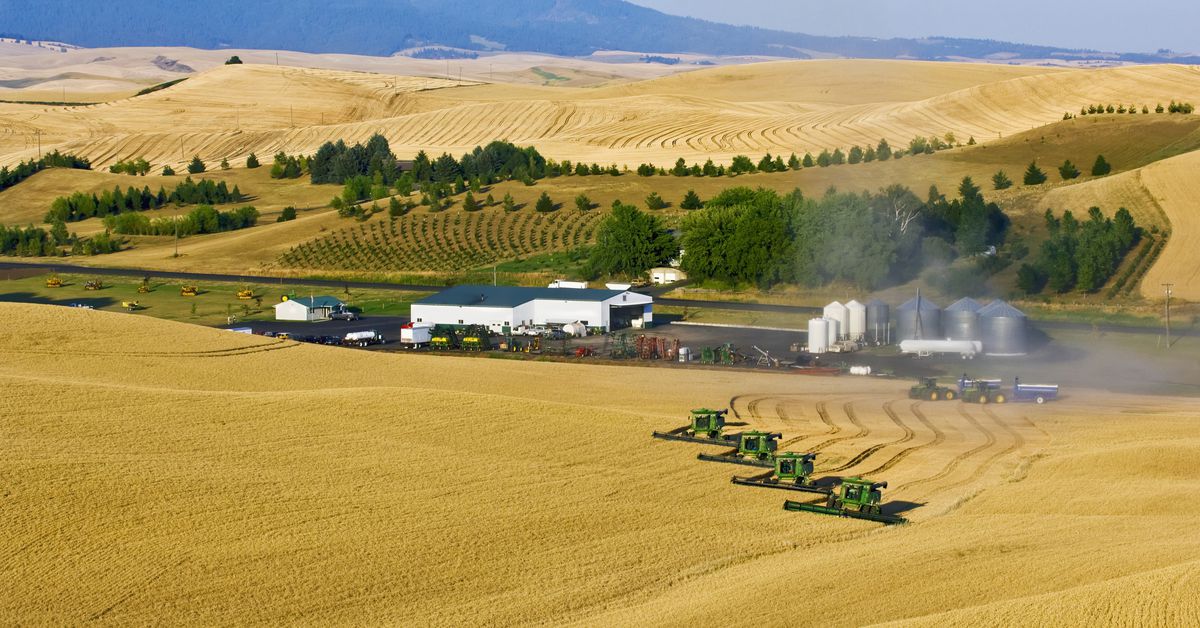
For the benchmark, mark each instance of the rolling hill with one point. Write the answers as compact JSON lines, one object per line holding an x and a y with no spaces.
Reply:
{"x":154,"y":472}
{"x":560,"y":27}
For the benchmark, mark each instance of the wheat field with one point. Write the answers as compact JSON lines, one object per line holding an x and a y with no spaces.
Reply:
{"x":153,"y":474}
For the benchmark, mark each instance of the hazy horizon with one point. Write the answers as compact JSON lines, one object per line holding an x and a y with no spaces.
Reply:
{"x":1154,"y":24}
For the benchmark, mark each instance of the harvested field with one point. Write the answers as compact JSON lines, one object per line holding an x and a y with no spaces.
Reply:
{"x":153,"y":474}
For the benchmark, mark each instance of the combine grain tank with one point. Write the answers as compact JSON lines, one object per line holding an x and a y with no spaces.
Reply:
{"x":1003,"y":329}
{"x":878,"y":322}
{"x":858,"y":320}
{"x":818,"y":335}
{"x":837,"y":312}
{"x":960,"y":321}
{"x":918,"y":319}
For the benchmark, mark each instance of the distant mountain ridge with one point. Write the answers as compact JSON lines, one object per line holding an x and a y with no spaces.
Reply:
{"x":560,"y":27}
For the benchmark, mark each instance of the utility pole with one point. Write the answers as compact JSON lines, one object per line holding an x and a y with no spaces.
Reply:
{"x":1168,"y":287}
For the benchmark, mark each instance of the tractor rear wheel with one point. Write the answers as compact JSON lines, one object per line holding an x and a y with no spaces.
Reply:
{"x":949,"y":395}
{"x":933,"y":396}
{"x":983,"y":399}
{"x":1000,"y":398}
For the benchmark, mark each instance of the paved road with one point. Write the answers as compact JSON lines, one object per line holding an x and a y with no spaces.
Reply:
{"x":692,"y":303}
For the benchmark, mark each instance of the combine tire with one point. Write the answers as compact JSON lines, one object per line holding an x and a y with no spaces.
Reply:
{"x":933,"y":396}
{"x":1040,"y":400}
{"x":949,"y":395}
{"x":1001,"y":398}
{"x":983,"y":399}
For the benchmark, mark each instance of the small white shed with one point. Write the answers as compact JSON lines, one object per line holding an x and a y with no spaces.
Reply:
{"x":307,"y":309}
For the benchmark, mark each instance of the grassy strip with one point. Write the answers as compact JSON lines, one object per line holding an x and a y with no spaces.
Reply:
{"x":1131,"y":268}
{"x":159,"y":87}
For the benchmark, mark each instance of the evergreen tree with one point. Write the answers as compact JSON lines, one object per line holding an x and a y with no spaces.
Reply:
{"x":470,"y":204}
{"x":869,"y":154}
{"x":197,"y":166}
{"x":1101,"y":167}
{"x":509,"y":204}
{"x":583,"y":203}
{"x":252,"y":161}
{"x":793,"y":162}
{"x":884,"y":150}
{"x":544,"y":204}
{"x":630,"y":242}
{"x":1034,"y":175}
{"x":838,"y":157}
{"x":1030,"y":279}
{"x":856,"y":155}
{"x":1000,"y":181}
{"x":168,"y":171}
{"x":808,"y":160}
{"x":1068,"y":170}
{"x":288,"y":213}
{"x":824,"y":159}
{"x":654,"y":201}
{"x":680,"y":169}
{"x":224,"y":164}
{"x":234,"y":60}
{"x":691,"y":200}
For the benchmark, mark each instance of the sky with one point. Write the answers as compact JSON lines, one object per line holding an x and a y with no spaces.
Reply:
{"x":1125,"y":26}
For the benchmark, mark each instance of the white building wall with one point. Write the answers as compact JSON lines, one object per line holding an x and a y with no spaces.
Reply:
{"x":291,"y":311}
{"x":452,"y":314}
{"x":594,"y":313}
{"x":537,"y":312}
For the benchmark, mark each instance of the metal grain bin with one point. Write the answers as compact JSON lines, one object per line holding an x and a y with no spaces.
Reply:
{"x":918,"y":319}
{"x":858,"y":320}
{"x":960,"y":321}
{"x":879,"y":322}
{"x":837,"y":312}
{"x":818,"y":335}
{"x":1003,"y":329}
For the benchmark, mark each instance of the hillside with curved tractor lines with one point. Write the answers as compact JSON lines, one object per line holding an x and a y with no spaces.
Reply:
{"x":190,"y":485}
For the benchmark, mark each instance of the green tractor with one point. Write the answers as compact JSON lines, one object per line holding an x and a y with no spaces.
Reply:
{"x":793,"y":472}
{"x":858,"y":499}
{"x":706,"y":427}
{"x":982,"y":391}
{"x":928,"y":388}
{"x":755,"y":449}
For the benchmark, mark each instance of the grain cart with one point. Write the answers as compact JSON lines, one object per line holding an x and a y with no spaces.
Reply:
{"x":1037,"y":393}
{"x":754,"y":449}
{"x":857,"y":499}
{"x":793,"y":472}
{"x":706,"y":427}
{"x":928,"y":388}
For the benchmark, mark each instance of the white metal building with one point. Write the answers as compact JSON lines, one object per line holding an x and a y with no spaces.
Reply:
{"x":500,"y":307}
{"x":307,"y":309}
{"x":666,"y":274}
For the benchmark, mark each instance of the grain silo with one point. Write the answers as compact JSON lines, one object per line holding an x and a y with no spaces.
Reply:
{"x":858,"y":320}
{"x":837,"y":312}
{"x":1003,"y":329}
{"x":835,"y":330}
{"x":918,"y":319}
{"x":818,"y":335}
{"x":960,"y":321}
{"x":878,"y":322}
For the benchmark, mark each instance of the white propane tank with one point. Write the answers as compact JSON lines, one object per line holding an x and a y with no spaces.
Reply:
{"x":818,"y":335}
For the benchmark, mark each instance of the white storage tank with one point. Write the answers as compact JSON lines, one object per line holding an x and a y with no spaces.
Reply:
{"x":835,"y":330}
{"x":857,"y":327}
{"x":818,"y":335}
{"x":837,"y":312}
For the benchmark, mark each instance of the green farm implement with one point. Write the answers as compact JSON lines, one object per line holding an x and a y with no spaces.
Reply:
{"x":927,"y":388}
{"x":706,"y":427}
{"x":793,"y":472}
{"x":754,"y":449}
{"x":857,"y":499}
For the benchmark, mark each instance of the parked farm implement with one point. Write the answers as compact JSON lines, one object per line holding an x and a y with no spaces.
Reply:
{"x":856,"y":499}
{"x":706,"y":427}
{"x":793,"y":472}
{"x":189,"y":291}
{"x":246,"y":293}
{"x":754,"y":449}
{"x":54,"y":281}
{"x":94,"y":284}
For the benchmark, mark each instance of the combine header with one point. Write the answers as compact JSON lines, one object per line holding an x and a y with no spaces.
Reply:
{"x":858,"y":499}
{"x":793,"y":472}
{"x":754,"y":449}
{"x":706,"y":427}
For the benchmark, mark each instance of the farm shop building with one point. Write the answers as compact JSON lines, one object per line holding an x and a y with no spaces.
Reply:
{"x":500,"y":307}
{"x":307,"y":309}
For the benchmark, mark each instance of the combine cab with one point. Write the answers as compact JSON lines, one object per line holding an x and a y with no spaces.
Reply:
{"x":189,"y":291}
{"x":793,"y":472}
{"x":927,"y":388}
{"x":706,"y":427}
{"x":54,"y":281}
{"x":755,"y":449}
{"x":857,"y":499}
{"x":982,"y":391}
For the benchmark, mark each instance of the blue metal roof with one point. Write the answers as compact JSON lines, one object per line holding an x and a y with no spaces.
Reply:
{"x":512,"y":296}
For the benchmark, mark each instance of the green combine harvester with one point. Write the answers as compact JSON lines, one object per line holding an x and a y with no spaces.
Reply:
{"x":858,"y":499}
{"x":928,"y":388}
{"x":754,"y":449}
{"x":706,"y":427}
{"x":793,"y":472}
